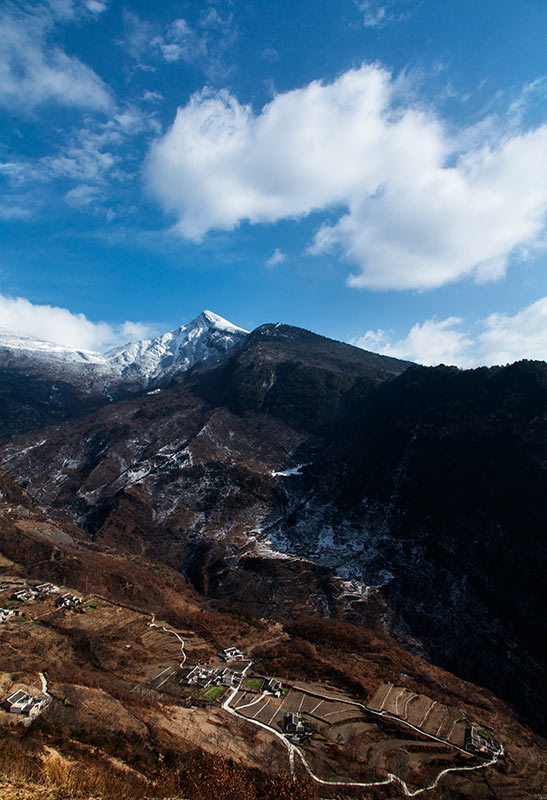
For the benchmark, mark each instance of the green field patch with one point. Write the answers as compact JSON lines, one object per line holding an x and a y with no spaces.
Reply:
{"x":176,"y":688}
{"x":214,"y":692}
{"x":254,"y":684}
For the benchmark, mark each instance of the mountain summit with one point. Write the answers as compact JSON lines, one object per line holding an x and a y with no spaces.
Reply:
{"x":42,"y":382}
{"x":206,"y":338}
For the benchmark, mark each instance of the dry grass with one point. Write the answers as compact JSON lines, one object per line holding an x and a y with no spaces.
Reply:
{"x":31,"y":771}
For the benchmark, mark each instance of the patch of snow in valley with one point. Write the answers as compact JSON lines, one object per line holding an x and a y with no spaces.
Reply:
{"x":287,"y":472}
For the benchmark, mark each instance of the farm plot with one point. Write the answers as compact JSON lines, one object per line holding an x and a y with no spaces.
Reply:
{"x":269,"y":710}
{"x":457,"y":734}
{"x":418,"y":709}
{"x":435,"y":719}
{"x":392,"y":700}
{"x":415,"y":762}
{"x":380,"y":696}
{"x":348,"y":742}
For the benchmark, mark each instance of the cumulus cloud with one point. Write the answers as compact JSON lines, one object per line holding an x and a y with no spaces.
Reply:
{"x":61,"y":326}
{"x":412,"y":205}
{"x":497,"y":339}
{"x":33,"y":71}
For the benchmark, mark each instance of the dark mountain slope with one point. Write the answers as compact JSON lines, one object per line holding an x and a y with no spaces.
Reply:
{"x":28,"y":402}
{"x":439,"y":482}
{"x":304,"y":379}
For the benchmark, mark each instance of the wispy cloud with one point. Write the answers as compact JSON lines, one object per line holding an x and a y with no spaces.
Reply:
{"x":497,"y":339}
{"x":13,"y":212}
{"x":98,"y":155}
{"x":71,"y":9}
{"x":203,"y":43}
{"x":380,"y":12}
{"x":82,"y":195}
{"x":34,"y":71}
{"x":277,"y":257}
{"x":61,"y":326}
{"x":181,"y":42}
{"x":422,"y":207}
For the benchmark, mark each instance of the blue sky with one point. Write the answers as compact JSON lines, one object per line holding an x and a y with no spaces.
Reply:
{"x":374,"y":171}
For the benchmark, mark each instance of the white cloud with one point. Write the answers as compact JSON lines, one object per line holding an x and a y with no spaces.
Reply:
{"x":33,"y":71}
{"x":377,"y":13}
{"x":203,"y":44}
{"x":99,"y":154}
{"x":505,"y":338}
{"x":95,"y":6}
{"x":373,"y":13}
{"x":277,"y":257}
{"x":152,"y":97}
{"x":61,"y":326}
{"x":82,"y":195}
{"x":498,"y":339}
{"x":70,"y":9}
{"x":415,"y":207}
{"x":181,"y":42}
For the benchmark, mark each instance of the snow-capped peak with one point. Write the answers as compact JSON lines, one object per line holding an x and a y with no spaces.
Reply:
{"x":214,"y":320}
{"x":206,"y":338}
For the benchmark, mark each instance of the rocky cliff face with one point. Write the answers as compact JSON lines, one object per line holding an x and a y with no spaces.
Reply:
{"x":299,"y":475}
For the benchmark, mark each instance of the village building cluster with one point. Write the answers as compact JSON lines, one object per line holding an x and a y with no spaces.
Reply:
{"x":21,"y":702}
{"x":34,"y":592}
{"x":68,"y":601}
{"x":295,"y":726}
{"x":232,"y":654}
{"x":479,"y":744}
{"x":7,"y":613}
{"x":204,"y":677}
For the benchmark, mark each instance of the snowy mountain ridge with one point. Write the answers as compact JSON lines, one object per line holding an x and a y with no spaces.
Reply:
{"x":205,"y":338}
{"x":25,"y":346}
